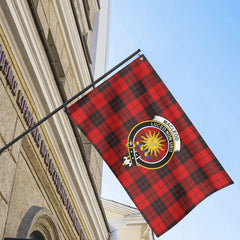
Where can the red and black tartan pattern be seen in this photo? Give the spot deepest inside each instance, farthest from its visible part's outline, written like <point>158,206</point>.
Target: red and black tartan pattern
<point>106,116</point>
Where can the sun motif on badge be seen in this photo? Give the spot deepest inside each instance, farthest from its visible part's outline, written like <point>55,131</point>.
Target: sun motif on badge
<point>152,143</point>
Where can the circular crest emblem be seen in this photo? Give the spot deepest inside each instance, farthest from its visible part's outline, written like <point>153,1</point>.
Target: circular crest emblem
<point>151,144</point>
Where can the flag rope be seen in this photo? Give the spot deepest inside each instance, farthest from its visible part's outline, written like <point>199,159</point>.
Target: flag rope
<point>68,101</point>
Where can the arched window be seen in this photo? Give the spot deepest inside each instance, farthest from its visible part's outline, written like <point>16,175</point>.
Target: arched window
<point>38,224</point>
<point>36,235</point>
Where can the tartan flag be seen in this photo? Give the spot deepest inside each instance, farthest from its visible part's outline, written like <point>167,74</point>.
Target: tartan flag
<point>150,144</point>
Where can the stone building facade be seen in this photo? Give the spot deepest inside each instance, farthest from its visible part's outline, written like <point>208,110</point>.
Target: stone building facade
<point>50,180</point>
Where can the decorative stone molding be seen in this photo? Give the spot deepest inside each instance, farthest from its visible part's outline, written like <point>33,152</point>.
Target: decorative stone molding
<point>41,220</point>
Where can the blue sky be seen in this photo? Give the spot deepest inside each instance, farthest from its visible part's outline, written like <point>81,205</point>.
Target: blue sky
<point>194,46</point>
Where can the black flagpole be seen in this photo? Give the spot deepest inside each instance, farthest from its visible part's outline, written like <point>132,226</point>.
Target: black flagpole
<point>68,101</point>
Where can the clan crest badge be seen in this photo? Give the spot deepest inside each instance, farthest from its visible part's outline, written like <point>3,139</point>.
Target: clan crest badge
<point>151,144</point>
